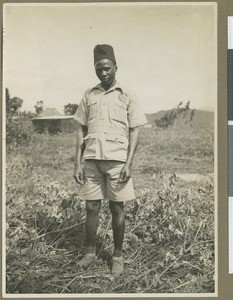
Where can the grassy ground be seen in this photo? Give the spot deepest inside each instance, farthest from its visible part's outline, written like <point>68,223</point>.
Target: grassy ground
<point>169,240</point>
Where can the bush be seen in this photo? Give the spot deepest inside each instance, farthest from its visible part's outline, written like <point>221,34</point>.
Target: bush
<point>19,130</point>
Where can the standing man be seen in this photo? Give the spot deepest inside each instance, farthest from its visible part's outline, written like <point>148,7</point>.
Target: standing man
<point>108,119</point>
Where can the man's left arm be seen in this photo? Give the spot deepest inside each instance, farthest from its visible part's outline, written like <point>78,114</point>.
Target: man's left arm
<point>133,142</point>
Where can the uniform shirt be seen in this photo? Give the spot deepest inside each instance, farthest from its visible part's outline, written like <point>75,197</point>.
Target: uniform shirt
<point>108,116</point>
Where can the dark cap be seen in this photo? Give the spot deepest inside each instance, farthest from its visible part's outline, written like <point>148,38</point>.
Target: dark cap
<point>104,52</point>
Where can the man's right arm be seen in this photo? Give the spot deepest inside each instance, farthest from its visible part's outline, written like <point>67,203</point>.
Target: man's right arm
<point>80,146</point>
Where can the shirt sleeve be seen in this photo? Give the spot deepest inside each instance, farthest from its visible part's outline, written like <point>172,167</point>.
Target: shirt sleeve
<point>81,112</point>
<point>136,116</point>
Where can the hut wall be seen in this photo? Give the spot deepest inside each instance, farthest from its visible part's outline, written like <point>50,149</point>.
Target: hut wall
<point>68,125</point>
<point>53,126</point>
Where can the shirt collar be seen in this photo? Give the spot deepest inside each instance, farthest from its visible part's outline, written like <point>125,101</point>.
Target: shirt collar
<point>116,86</point>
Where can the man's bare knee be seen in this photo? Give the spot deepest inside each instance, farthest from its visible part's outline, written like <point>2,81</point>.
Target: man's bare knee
<point>93,206</point>
<point>116,208</point>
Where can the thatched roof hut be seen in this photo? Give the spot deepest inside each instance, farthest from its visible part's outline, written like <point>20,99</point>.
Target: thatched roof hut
<point>51,121</point>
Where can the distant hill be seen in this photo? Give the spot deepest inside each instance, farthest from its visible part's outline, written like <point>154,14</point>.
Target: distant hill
<point>201,118</point>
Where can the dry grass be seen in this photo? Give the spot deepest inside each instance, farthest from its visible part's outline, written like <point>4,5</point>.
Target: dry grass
<point>169,240</point>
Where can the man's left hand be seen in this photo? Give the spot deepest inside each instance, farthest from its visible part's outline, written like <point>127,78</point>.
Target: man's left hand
<point>125,173</point>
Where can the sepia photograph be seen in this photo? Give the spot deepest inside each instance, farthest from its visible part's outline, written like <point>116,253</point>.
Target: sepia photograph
<point>109,149</point>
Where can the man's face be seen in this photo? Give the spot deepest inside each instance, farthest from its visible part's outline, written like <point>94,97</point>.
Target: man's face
<point>106,71</point>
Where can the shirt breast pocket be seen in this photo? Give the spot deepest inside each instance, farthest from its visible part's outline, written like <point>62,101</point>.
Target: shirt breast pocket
<point>93,109</point>
<point>120,111</point>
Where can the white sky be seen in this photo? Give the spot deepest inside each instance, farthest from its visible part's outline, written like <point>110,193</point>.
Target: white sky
<point>166,53</point>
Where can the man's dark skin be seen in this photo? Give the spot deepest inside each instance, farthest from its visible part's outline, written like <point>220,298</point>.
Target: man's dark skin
<point>106,71</point>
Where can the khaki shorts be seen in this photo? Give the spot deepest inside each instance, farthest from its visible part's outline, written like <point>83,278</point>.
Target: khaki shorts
<point>101,181</point>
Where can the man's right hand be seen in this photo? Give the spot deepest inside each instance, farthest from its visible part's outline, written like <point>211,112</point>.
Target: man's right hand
<point>78,175</point>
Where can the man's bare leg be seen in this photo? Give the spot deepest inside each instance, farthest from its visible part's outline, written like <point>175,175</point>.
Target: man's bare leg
<point>118,226</point>
<point>91,224</point>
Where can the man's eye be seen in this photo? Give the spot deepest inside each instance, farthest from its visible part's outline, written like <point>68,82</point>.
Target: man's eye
<point>101,70</point>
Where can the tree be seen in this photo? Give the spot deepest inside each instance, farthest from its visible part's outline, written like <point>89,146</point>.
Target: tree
<point>70,109</point>
<point>171,117</point>
<point>192,115</point>
<point>16,103</point>
<point>8,99</point>
<point>18,129</point>
<point>12,104</point>
<point>187,105</point>
<point>39,107</point>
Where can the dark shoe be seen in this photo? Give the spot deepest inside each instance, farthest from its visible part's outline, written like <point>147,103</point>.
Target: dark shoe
<point>87,260</point>
<point>117,265</point>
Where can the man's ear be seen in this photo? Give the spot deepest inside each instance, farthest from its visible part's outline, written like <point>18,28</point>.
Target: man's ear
<point>116,67</point>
